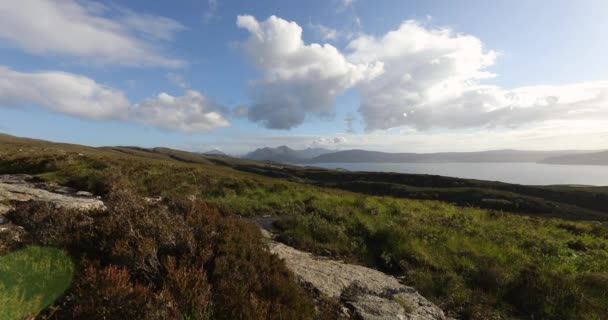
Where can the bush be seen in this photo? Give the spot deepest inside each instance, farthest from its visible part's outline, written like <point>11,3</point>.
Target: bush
<point>176,259</point>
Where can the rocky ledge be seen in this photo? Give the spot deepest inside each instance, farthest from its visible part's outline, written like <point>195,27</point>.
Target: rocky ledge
<point>21,188</point>
<point>368,294</point>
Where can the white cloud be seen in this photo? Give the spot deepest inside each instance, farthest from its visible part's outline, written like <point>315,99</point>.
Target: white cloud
<point>415,77</point>
<point>434,79</point>
<point>83,30</point>
<point>62,92</point>
<point>82,97</point>
<point>189,113</point>
<point>298,79</point>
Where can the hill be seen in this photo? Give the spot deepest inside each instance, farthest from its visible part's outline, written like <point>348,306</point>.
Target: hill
<point>215,152</point>
<point>595,158</point>
<point>285,154</point>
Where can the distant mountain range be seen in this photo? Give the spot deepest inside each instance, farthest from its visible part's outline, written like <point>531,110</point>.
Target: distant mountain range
<point>594,158</point>
<point>285,154</point>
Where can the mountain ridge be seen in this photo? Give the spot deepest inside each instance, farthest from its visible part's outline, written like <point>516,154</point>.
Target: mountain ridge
<point>505,155</point>
<point>285,154</point>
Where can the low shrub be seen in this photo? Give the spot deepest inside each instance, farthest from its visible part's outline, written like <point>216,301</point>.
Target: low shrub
<point>176,259</point>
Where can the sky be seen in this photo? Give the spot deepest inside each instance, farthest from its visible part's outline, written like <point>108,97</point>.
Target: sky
<point>386,75</point>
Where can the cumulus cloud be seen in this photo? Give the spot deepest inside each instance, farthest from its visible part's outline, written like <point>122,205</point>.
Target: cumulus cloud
<point>84,30</point>
<point>82,97</point>
<point>62,92</point>
<point>299,79</point>
<point>189,113</point>
<point>415,76</point>
<point>434,79</point>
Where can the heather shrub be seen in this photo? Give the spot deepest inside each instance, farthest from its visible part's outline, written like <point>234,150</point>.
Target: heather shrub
<point>177,259</point>
<point>109,293</point>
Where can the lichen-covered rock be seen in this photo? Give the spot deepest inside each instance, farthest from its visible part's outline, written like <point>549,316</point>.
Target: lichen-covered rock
<point>368,293</point>
<point>17,188</point>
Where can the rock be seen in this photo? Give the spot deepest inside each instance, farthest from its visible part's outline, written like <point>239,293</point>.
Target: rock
<point>84,194</point>
<point>15,178</point>
<point>3,220</point>
<point>4,208</point>
<point>368,293</point>
<point>16,189</point>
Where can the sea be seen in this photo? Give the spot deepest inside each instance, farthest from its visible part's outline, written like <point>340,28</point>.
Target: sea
<point>511,172</point>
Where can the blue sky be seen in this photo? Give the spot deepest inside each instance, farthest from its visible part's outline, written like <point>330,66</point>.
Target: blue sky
<point>235,75</point>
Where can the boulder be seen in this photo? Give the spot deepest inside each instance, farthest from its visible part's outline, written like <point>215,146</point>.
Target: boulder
<point>15,188</point>
<point>369,294</point>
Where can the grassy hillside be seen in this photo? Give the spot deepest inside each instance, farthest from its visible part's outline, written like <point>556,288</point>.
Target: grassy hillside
<point>193,252</point>
<point>568,202</point>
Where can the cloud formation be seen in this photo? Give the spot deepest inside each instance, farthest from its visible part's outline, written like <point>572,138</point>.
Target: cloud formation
<point>83,30</point>
<point>62,92</point>
<point>298,79</point>
<point>84,98</point>
<point>433,79</point>
<point>415,76</point>
<point>189,113</point>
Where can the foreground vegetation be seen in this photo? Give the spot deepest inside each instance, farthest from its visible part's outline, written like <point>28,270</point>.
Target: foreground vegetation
<point>178,260</point>
<point>32,279</point>
<point>191,251</point>
<point>476,263</point>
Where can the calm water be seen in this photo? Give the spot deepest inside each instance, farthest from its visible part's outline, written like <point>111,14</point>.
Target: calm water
<point>522,173</point>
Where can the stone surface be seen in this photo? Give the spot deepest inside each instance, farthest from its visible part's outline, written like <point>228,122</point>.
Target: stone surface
<point>16,188</point>
<point>368,293</point>
<point>84,194</point>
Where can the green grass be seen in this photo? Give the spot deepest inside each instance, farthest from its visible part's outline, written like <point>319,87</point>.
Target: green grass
<point>473,262</point>
<point>31,279</point>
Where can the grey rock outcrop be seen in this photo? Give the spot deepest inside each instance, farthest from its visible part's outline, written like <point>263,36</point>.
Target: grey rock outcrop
<point>369,294</point>
<point>18,188</point>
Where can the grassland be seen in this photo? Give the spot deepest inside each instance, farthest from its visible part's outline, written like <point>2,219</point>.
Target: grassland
<point>546,261</point>
<point>32,279</point>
